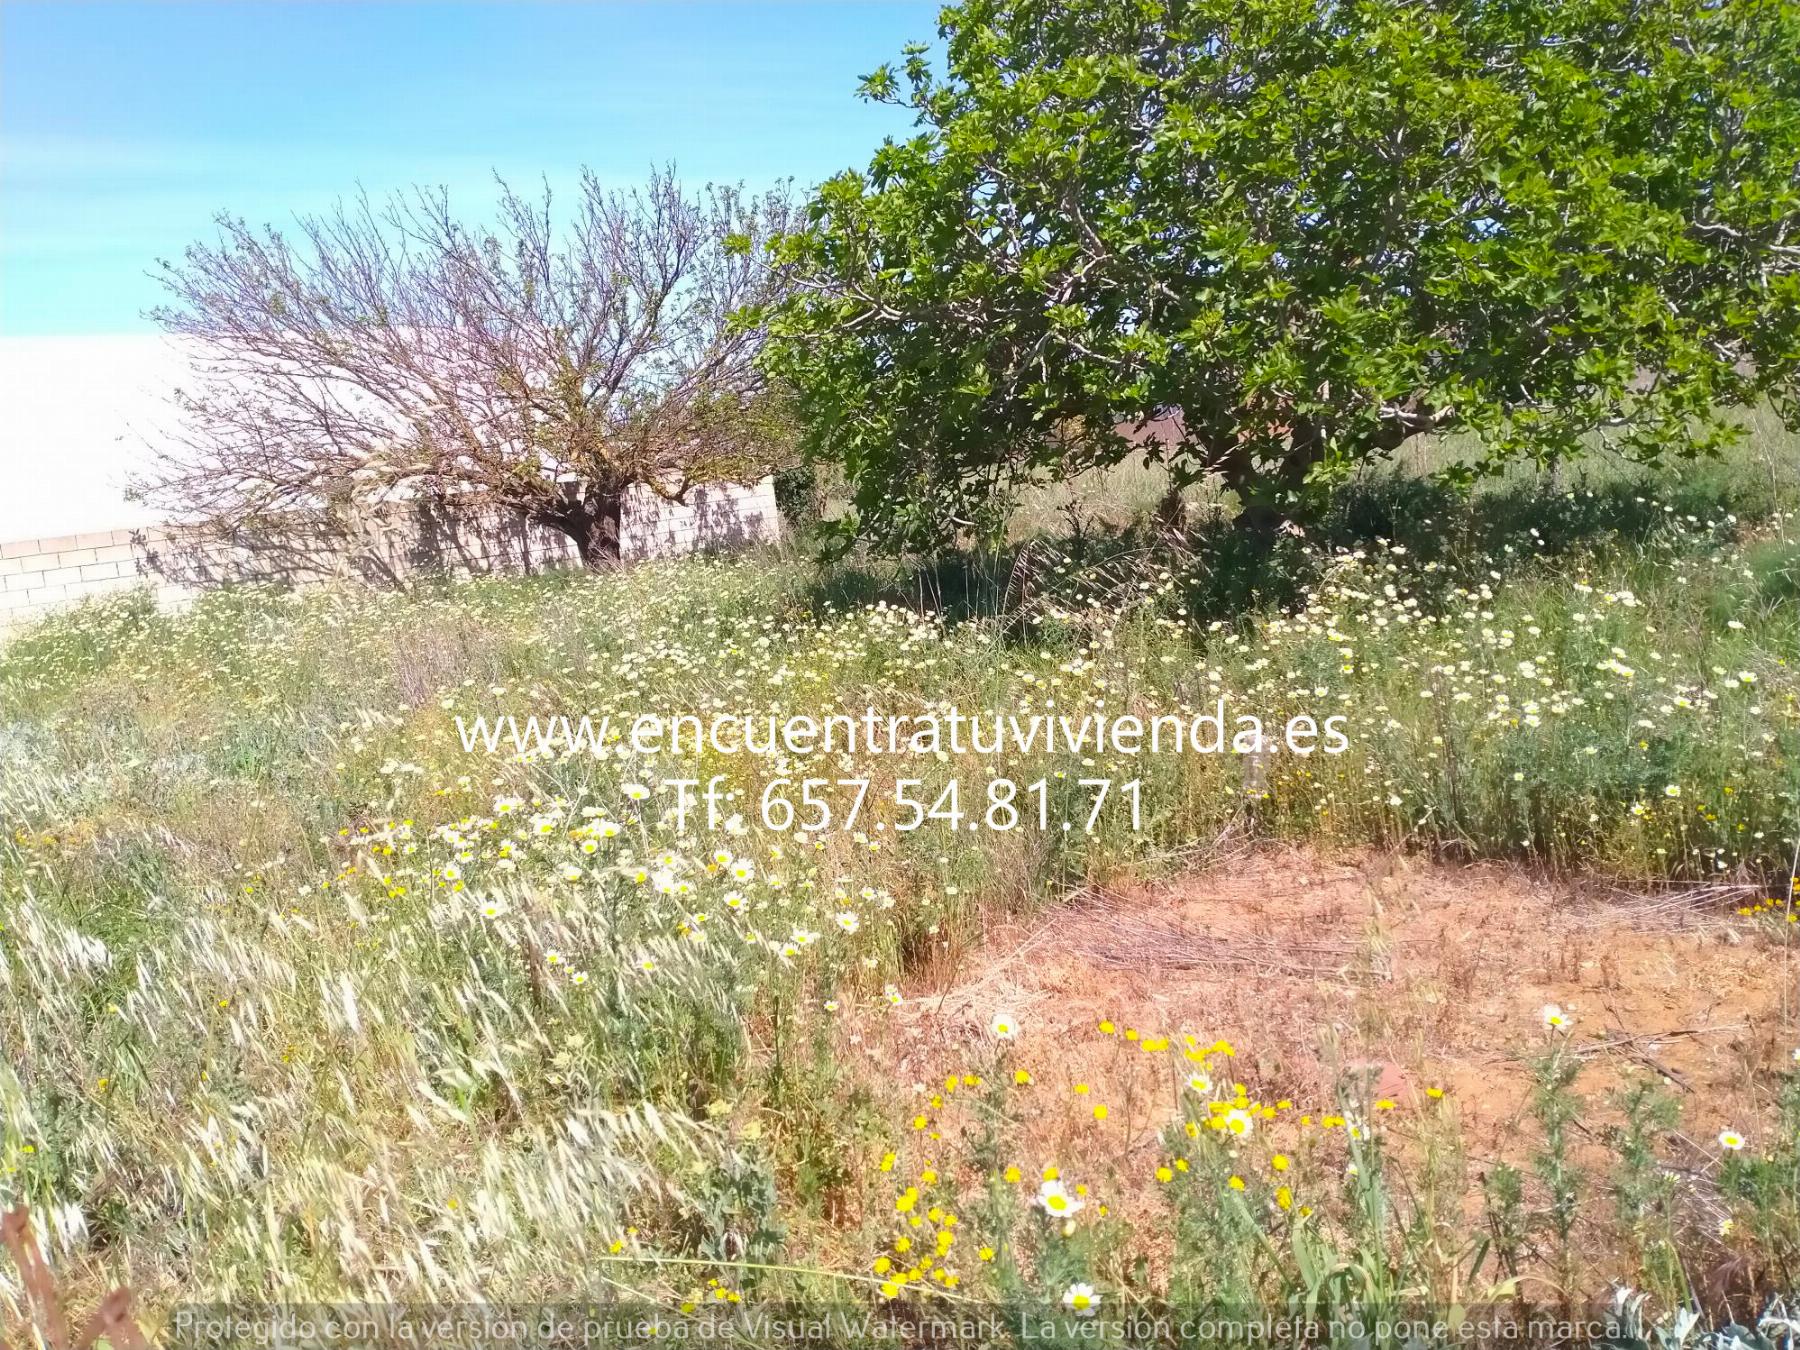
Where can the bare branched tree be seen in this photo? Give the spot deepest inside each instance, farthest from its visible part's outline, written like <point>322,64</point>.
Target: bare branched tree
<point>545,363</point>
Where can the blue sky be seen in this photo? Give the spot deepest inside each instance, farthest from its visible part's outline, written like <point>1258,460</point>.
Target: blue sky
<point>124,128</point>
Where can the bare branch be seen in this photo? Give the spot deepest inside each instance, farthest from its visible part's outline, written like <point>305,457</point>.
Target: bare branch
<point>540,363</point>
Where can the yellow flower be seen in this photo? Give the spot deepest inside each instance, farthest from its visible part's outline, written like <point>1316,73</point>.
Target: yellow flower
<point>1165,1175</point>
<point>1279,1162</point>
<point>1284,1197</point>
<point>1236,1183</point>
<point>1100,1112</point>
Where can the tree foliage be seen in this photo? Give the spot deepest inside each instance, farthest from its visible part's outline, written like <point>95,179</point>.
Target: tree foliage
<point>545,363</point>
<point>1299,232</point>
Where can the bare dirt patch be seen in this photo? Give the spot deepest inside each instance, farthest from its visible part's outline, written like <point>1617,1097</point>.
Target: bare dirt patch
<point>1427,976</point>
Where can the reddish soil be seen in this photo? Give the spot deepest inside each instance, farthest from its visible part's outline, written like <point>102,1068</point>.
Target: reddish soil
<point>1425,976</point>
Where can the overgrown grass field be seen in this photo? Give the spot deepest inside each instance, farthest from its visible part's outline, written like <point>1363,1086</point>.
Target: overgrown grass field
<point>302,999</point>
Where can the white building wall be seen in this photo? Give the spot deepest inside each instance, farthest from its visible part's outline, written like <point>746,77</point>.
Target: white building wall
<point>43,573</point>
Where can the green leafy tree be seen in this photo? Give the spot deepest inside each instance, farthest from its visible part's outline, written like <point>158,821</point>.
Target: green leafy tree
<point>1299,232</point>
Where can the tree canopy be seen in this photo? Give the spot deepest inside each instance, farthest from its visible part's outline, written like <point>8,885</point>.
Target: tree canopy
<point>545,363</point>
<point>1299,232</point>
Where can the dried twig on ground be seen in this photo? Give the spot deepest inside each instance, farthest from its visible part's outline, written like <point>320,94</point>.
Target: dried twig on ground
<point>1674,906</point>
<point>1109,938</point>
<point>110,1322</point>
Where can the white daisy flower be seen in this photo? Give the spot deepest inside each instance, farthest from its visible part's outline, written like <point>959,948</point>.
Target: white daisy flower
<point>1058,1201</point>
<point>1081,1300</point>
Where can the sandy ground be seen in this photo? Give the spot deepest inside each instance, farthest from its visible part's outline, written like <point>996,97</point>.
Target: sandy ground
<point>1418,975</point>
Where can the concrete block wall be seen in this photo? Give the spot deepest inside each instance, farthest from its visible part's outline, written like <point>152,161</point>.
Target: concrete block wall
<point>717,517</point>
<point>37,575</point>
<point>385,548</point>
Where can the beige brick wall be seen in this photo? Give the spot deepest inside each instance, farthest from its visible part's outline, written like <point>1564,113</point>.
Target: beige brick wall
<point>388,548</point>
<point>39,574</point>
<point>717,517</point>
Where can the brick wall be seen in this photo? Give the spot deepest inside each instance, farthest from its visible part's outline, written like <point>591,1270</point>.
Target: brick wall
<point>717,516</point>
<point>385,548</point>
<point>39,574</point>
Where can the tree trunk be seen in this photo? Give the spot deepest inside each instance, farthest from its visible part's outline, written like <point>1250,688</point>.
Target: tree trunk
<point>1262,504</point>
<point>594,525</point>
<point>1260,520</point>
<point>1172,513</point>
<point>1268,500</point>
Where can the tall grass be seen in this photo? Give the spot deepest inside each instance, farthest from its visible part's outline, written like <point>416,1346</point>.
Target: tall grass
<point>303,1000</point>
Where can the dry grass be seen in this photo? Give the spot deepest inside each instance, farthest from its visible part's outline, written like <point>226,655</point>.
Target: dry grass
<point>1423,975</point>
